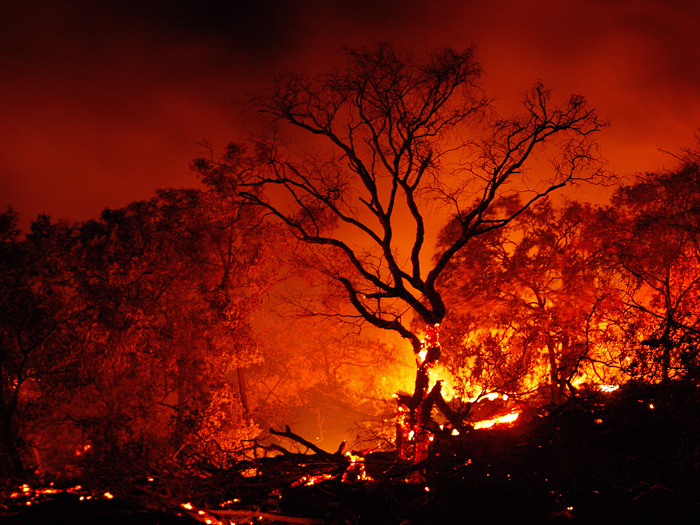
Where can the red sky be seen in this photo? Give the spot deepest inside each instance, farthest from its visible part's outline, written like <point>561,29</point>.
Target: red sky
<point>103,102</point>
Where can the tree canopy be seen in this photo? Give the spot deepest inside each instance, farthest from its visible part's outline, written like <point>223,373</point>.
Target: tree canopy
<point>390,140</point>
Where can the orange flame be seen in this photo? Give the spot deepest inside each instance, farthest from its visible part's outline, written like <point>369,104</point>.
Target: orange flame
<point>501,420</point>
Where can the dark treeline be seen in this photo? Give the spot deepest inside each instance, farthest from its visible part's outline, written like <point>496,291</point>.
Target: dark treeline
<point>128,345</point>
<point>126,340</point>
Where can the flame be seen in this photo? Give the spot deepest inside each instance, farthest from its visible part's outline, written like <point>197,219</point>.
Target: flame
<point>356,468</point>
<point>501,420</point>
<point>423,354</point>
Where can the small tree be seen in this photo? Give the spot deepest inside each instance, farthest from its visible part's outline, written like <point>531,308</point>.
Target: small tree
<point>392,141</point>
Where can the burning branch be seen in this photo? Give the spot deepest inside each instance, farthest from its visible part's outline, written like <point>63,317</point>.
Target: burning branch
<point>244,515</point>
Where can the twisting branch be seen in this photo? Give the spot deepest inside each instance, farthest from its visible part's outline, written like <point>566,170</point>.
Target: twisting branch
<point>294,437</point>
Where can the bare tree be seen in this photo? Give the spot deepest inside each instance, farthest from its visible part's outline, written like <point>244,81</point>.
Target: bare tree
<point>393,143</point>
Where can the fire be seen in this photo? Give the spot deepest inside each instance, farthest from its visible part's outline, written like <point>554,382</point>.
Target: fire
<point>423,354</point>
<point>501,420</point>
<point>356,468</point>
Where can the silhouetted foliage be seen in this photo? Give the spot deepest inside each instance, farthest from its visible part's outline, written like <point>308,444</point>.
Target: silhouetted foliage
<point>651,233</point>
<point>127,336</point>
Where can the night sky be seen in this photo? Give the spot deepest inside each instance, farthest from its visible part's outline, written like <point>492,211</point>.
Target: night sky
<point>102,102</point>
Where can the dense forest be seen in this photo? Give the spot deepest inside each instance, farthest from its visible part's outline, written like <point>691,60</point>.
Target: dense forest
<point>300,285</point>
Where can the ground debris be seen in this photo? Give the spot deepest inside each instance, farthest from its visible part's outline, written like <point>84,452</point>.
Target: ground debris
<point>630,456</point>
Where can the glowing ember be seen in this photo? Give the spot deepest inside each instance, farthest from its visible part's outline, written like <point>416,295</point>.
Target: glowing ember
<point>608,388</point>
<point>82,450</point>
<point>47,491</point>
<point>307,481</point>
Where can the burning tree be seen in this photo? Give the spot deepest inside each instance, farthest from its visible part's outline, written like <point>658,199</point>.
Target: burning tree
<point>529,304</point>
<point>392,143</point>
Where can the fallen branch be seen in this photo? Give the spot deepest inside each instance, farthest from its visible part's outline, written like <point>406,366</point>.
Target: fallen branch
<point>295,437</point>
<point>246,514</point>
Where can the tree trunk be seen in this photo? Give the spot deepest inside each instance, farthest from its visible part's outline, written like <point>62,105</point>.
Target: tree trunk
<point>11,464</point>
<point>242,390</point>
<point>555,384</point>
<point>413,435</point>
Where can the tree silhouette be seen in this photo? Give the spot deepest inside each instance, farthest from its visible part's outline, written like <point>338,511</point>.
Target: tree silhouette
<point>652,234</point>
<point>390,141</point>
<point>129,333</point>
<point>35,313</point>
